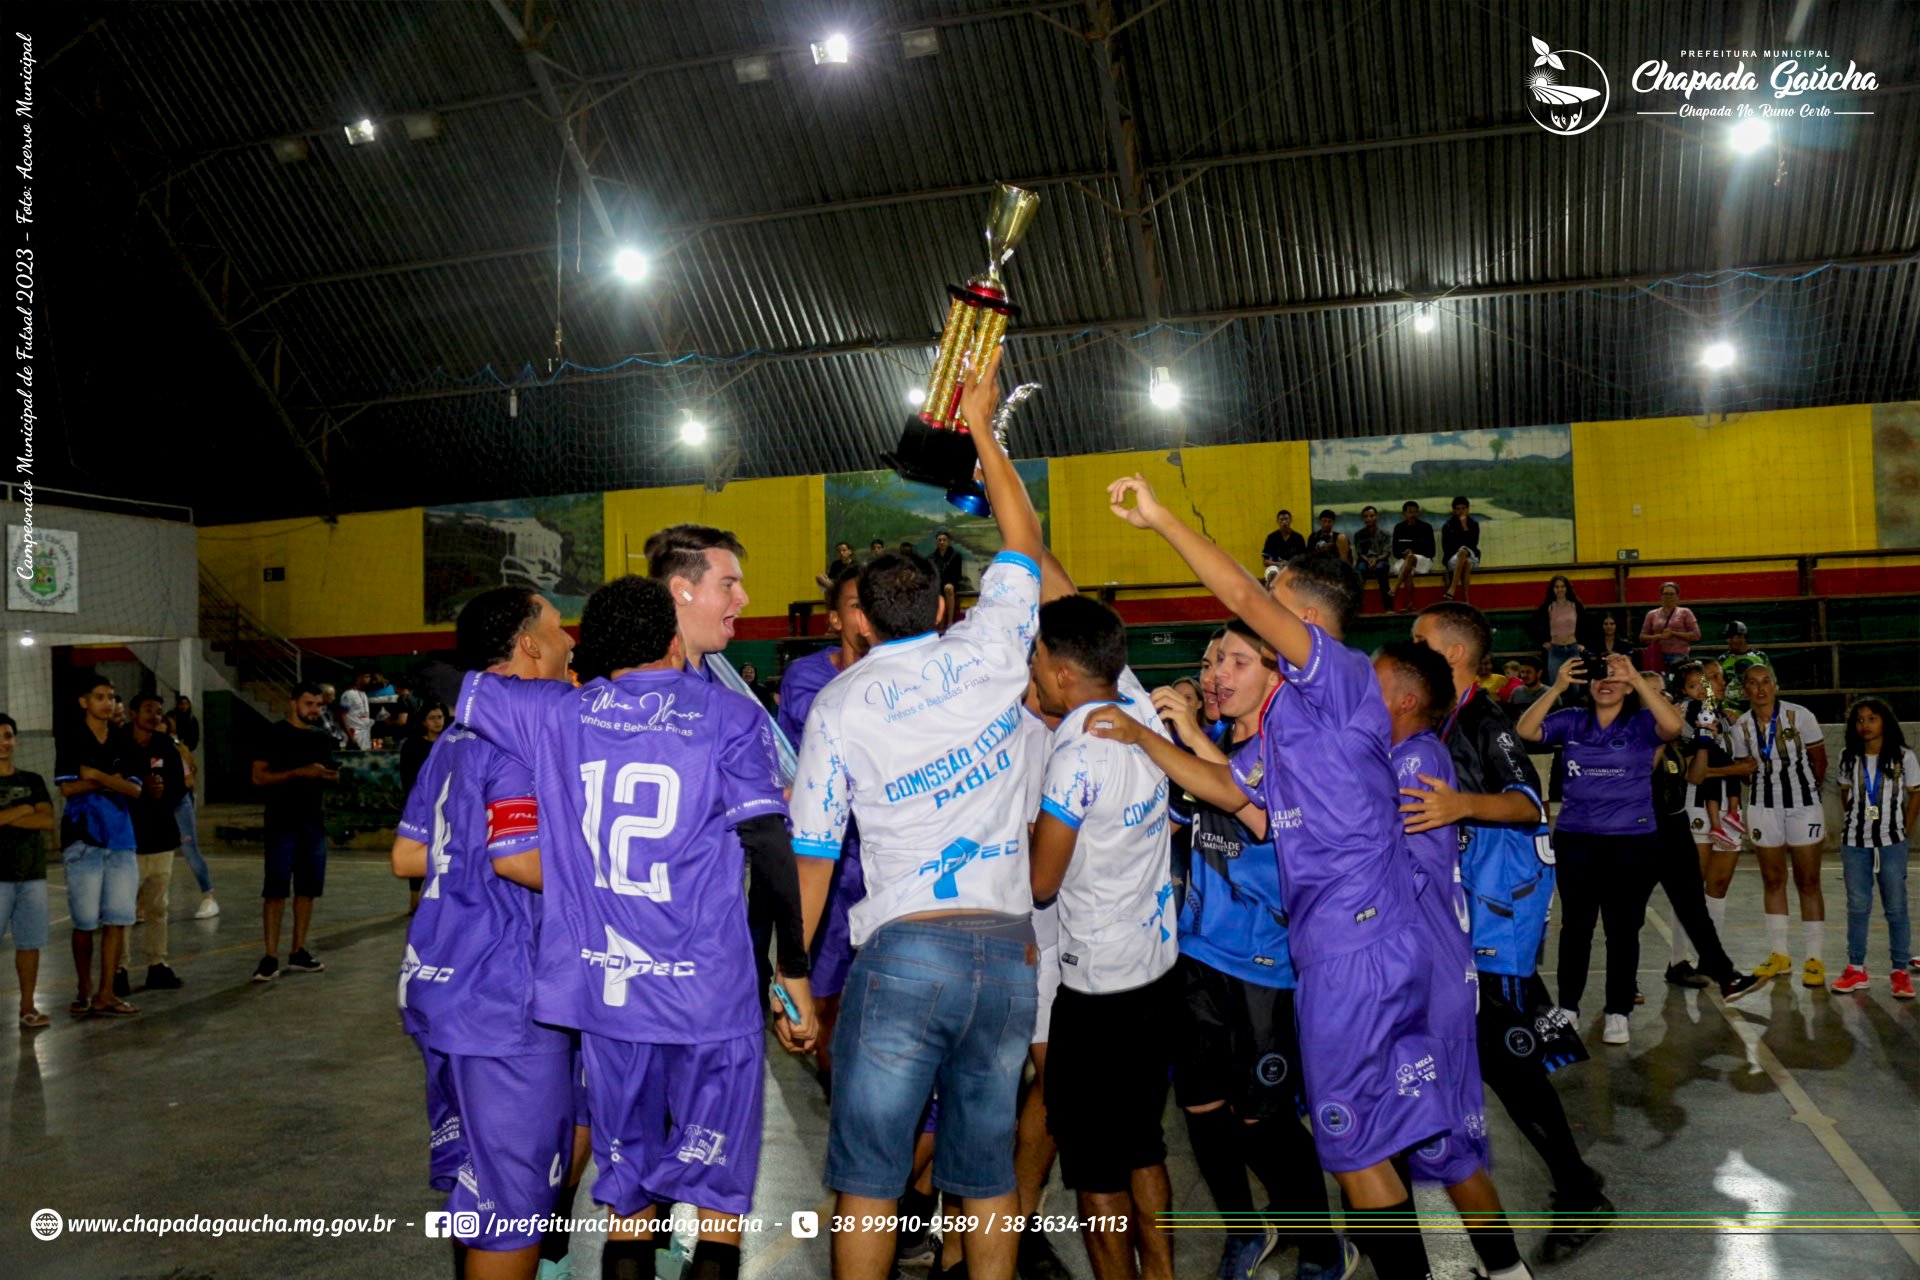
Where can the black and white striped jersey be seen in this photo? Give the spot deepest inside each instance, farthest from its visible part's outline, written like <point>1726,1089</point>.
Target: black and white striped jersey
<point>1862,828</point>
<point>1780,743</point>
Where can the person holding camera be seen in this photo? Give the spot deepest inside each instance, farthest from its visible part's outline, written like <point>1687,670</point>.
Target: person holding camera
<point>1606,842</point>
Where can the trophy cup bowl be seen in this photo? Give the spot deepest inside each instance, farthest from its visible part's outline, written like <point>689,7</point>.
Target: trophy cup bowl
<point>934,448</point>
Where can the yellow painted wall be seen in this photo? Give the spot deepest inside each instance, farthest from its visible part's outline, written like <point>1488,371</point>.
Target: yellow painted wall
<point>783,523</point>
<point>361,576</point>
<point>1789,482</point>
<point>1235,489</point>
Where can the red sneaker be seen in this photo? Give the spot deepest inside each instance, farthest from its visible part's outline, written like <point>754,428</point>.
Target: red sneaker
<point>1902,984</point>
<point>1854,978</point>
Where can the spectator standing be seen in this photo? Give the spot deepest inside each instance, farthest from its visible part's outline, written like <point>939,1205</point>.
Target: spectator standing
<point>1327,539</point>
<point>1880,796</point>
<point>841,563</point>
<point>187,817</point>
<point>26,810</point>
<point>94,769</point>
<point>1739,656</point>
<point>1412,552</point>
<point>1606,842</point>
<point>1557,623</point>
<point>185,726</point>
<point>293,765</point>
<point>1372,552</point>
<point>356,713</point>
<point>951,566</point>
<point>751,674</point>
<point>1668,632</point>
<point>1283,544</point>
<point>156,833</point>
<point>1460,549</point>
<point>330,718</point>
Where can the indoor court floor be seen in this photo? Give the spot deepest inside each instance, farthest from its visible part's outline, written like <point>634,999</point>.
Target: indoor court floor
<point>301,1098</point>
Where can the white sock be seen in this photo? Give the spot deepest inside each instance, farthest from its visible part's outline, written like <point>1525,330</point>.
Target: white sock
<point>1717,912</point>
<point>1816,935</point>
<point>1680,948</point>
<point>1777,933</point>
<point>1518,1271</point>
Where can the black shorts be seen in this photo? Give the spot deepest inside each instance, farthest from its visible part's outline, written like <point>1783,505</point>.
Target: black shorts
<point>296,860</point>
<point>1107,1062</point>
<point>1238,1044</point>
<point>1517,1023</point>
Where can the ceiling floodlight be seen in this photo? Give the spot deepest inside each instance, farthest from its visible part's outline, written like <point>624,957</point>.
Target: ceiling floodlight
<point>752,70</point>
<point>693,431</point>
<point>923,43</point>
<point>916,395</point>
<point>1717,355</point>
<point>1164,391</point>
<point>630,265</point>
<point>27,641</point>
<point>1748,136</point>
<point>359,133</point>
<point>1424,321</point>
<point>835,48</point>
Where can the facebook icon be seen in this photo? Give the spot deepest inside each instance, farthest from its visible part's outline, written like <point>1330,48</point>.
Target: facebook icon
<point>439,1224</point>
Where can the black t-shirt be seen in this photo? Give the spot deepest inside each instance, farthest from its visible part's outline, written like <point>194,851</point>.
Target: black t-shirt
<point>101,818</point>
<point>1328,541</point>
<point>1453,537</point>
<point>1488,757</point>
<point>949,566</point>
<point>154,828</point>
<point>23,853</point>
<point>1282,547</point>
<point>1416,537</point>
<point>187,726</point>
<point>296,801</point>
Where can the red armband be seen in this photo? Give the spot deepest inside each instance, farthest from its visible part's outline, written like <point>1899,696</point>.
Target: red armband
<point>519,816</point>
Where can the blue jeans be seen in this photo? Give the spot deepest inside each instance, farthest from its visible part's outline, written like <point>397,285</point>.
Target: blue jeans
<point>23,912</point>
<point>189,823</point>
<point>928,1004</point>
<point>102,885</point>
<point>1857,866</point>
<point>1558,655</point>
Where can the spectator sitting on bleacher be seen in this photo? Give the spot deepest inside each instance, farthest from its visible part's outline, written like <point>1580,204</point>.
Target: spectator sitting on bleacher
<point>1738,658</point>
<point>1460,548</point>
<point>1496,683</point>
<point>842,562</point>
<point>1522,695</point>
<point>1372,549</point>
<point>1412,552</point>
<point>1668,632</point>
<point>1327,538</point>
<point>1283,544</point>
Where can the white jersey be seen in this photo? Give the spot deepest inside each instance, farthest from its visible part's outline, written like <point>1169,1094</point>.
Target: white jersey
<point>1780,743</point>
<point>923,742</point>
<point>1046,920</point>
<point>1876,816</point>
<point>1116,900</point>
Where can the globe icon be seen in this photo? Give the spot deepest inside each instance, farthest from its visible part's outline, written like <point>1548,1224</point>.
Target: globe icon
<point>47,1224</point>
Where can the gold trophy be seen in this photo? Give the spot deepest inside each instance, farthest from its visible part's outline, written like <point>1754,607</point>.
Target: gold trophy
<point>934,448</point>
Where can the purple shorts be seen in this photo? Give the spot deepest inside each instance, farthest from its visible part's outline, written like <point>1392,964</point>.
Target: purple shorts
<point>1373,1072</point>
<point>582,1106</point>
<point>1451,1014</point>
<point>506,1127</point>
<point>833,948</point>
<point>675,1122</point>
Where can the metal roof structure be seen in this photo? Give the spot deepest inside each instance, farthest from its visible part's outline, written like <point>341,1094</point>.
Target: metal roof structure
<point>1260,195</point>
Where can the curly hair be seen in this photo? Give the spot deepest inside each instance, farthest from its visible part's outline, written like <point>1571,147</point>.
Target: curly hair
<point>630,622</point>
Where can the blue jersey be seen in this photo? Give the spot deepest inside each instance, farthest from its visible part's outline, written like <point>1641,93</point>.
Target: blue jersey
<point>1332,803</point>
<point>1506,868</point>
<point>1233,918</point>
<point>466,981</point>
<point>641,781</point>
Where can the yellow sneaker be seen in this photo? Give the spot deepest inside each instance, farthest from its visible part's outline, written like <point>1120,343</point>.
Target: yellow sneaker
<point>1814,975</point>
<point>1775,965</point>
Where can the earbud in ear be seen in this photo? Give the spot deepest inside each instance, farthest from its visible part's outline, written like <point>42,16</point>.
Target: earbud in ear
<point>687,596</point>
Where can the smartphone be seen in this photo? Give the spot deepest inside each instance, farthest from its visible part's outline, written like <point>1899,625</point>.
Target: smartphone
<point>786,1003</point>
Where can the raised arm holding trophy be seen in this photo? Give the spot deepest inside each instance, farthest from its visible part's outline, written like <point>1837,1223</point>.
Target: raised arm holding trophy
<point>934,448</point>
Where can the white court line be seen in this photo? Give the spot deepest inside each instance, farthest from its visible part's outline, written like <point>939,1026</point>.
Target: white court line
<point>1821,1125</point>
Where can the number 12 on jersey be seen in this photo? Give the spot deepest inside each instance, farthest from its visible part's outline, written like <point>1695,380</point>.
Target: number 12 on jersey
<point>612,871</point>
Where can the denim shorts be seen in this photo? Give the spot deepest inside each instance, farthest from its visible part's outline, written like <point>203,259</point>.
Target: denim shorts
<point>23,913</point>
<point>925,1005</point>
<point>102,885</point>
<point>296,859</point>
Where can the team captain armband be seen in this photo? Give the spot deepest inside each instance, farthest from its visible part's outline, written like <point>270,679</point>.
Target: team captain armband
<point>517,816</point>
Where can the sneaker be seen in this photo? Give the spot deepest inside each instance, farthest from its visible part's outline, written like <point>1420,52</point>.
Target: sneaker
<point>1685,975</point>
<point>1914,963</point>
<point>1243,1253</point>
<point>1741,984</point>
<point>302,961</point>
<point>1720,840</point>
<point>207,909</point>
<point>1575,1223</point>
<point>267,970</point>
<point>121,986</point>
<point>161,977</point>
<point>918,1247</point>
<point>1735,827</point>
<point>1852,978</point>
<point>1814,974</point>
<point>1036,1259</point>
<point>1616,1032</point>
<point>1902,985</point>
<point>1774,965</point>
<point>551,1269</point>
<point>1341,1270</point>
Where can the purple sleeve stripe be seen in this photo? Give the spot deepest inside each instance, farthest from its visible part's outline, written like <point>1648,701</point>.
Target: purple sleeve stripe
<point>412,831</point>
<point>1048,805</point>
<point>507,846</point>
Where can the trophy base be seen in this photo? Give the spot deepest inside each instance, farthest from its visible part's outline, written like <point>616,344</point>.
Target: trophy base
<point>942,458</point>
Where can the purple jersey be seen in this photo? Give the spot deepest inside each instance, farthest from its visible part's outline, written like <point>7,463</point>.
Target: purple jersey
<point>1609,784</point>
<point>802,680</point>
<point>1332,803</point>
<point>641,781</point>
<point>466,982</point>
<point>1437,852</point>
